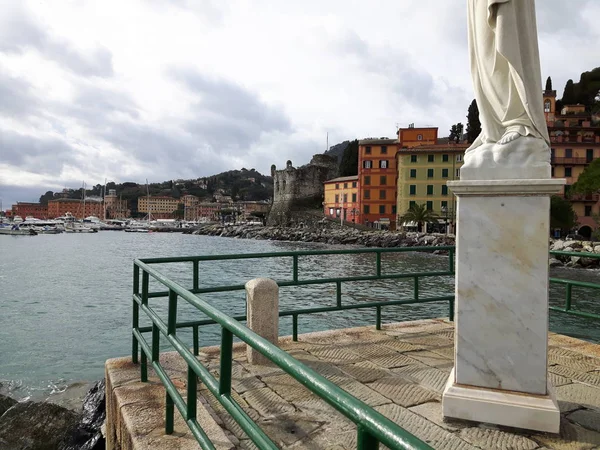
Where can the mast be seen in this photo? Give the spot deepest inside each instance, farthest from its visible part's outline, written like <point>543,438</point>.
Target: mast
<point>148,201</point>
<point>104,200</point>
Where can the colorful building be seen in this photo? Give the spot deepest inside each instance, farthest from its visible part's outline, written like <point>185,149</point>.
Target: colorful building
<point>422,175</point>
<point>575,143</point>
<point>78,208</point>
<point>25,209</point>
<point>342,199</point>
<point>159,207</point>
<point>414,137</point>
<point>115,207</point>
<point>377,181</point>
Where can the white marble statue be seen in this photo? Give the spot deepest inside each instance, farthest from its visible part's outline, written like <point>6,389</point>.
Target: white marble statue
<point>505,67</point>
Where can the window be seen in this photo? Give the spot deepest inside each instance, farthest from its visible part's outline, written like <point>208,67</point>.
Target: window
<point>568,153</point>
<point>345,185</point>
<point>381,209</point>
<point>383,164</point>
<point>382,194</point>
<point>412,204</point>
<point>588,210</point>
<point>552,171</point>
<point>459,158</point>
<point>345,198</point>
<point>384,149</point>
<point>445,158</point>
<point>354,184</point>
<point>444,189</point>
<point>393,209</point>
<point>367,164</point>
<point>367,180</point>
<point>430,158</point>
<point>353,198</point>
<point>383,180</point>
<point>430,189</point>
<point>413,189</point>
<point>444,205</point>
<point>337,198</point>
<point>568,172</point>
<point>366,209</point>
<point>413,158</point>
<point>457,173</point>
<point>546,106</point>
<point>444,173</point>
<point>368,150</point>
<point>419,137</point>
<point>413,173</point>
<point>429,206</point>
<point>589,155</point>
<point>337,186</point>
<point>367,194</point>
<point>429,173</point>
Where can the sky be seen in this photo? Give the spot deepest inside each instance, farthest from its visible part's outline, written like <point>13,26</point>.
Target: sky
<point>166,89</point>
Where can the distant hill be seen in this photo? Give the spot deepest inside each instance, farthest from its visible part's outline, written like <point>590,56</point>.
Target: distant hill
<point>337,150</point>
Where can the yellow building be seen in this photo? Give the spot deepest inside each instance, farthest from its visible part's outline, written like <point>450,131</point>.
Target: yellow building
<point>160,207</point>
<point>341,199</point>
<point>422,175</point>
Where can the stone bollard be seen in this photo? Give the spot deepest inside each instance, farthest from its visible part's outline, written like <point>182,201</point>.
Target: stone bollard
<point>262,300</point>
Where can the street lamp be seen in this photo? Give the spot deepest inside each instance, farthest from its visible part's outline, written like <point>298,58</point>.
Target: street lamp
<point>445,211</point>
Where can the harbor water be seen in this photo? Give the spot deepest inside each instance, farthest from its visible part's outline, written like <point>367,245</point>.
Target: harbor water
<point>66,299</point>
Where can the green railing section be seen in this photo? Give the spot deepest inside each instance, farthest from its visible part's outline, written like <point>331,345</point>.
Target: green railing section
<point>372,427</point>
<point>569,284</point>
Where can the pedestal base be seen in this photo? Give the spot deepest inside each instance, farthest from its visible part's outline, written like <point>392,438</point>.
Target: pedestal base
<point>508,408</point>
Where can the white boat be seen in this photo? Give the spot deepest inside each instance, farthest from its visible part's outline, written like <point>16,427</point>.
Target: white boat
<point>15,230</point>
<point>137,227</point>
<point>74,226</point>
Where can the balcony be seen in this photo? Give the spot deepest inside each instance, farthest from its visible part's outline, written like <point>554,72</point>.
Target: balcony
<point>585,197</point>
<point>568,161</point>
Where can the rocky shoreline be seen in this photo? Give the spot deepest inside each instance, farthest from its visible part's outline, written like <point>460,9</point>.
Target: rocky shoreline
<point>29,425</point>
<point>581,247</point>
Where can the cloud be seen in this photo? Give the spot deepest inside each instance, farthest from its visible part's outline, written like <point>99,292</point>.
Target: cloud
<point>20,32</point>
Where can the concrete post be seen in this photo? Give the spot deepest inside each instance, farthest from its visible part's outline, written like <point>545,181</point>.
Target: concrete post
<point>262,300</point>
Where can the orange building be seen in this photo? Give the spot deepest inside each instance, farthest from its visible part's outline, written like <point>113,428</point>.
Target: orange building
<point>413,137</point>
<point>25,209</point>
<point>575,143</point>
<point>341,199</point>
<point>377,182</point>
<point>61,206</point>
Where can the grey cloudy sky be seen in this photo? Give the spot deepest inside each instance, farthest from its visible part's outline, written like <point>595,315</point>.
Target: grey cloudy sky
<point>161,89</point>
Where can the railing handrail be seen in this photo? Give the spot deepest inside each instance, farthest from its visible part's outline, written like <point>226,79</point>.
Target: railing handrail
<point>376,424</point>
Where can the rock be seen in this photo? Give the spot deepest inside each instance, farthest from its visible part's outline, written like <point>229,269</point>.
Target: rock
<point>575,260</point>
<point>558,245</point>
<point>553,262</point>
<point>35,426</point>
<point>597,249</point>
<point>5,403</point>
<point>87,435</point>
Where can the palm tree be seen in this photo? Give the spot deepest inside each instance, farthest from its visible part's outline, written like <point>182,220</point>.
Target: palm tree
<point>419,214</point>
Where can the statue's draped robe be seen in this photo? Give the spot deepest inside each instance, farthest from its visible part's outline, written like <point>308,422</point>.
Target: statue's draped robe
<point>503,40</point>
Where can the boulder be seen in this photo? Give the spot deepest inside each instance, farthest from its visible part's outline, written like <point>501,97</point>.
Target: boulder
<point>87,434</point>
<point>6,403</point>
<point>35,426</point>
<point>553,262</point>
<point>558,245</point>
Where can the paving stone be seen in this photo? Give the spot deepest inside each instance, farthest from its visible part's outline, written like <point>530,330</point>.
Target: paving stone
<point>329,440</point>
<point>242,380</point>
<point>587,418</point>
<point>318,409</point>
<point>391,361</point>
<point>591,378</point>
<point>418,326</point>
<point>446,333</point>
<point>571,437</point>
<point>567,372</point>
<point>287,430</point>
<point>267,402</point>
<point>364,393</point>
<point>365,371</point>
<point>403,392</point>
<point>401,346</point>
<point>558,380</point>
<point>289,389</point>
<point>432,411</point>
<point>368,351</point>
<point>446,352</point>
<point>496,439</point>
<point>428,432</point>
<point>431,359</point>
<point>336,355</point>
<point>427,340</point>
<point>573,396</point>
<point>429,377</point>
<point>580,364</point>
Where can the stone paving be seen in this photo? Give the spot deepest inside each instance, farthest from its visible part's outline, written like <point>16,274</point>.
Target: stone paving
<point>401,372</point>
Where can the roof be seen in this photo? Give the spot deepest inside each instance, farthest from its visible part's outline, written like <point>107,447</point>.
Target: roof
<point>435,148</point>
<point>337,180</point>
<point>377,141</point>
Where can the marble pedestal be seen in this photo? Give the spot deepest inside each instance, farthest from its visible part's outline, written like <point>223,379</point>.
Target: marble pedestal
<point>500,364</point>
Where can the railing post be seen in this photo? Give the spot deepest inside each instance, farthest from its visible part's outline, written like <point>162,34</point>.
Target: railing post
<point>295,268</point>
<point>172,316</point>
<point>169,415</point>
<point>365,441</point>
<point>451,310</point>
<point>135,314</point>
<point>338,293</point>
<point>378,319</point>
<point>144,367</point>
<point>195,339</point>
<point>262,303</point>
<point>295,327</point>
<point>451,260</point>
<point>196,281</point>
<point>192,393</point>
<point>378,263</point>
<point>145,286</point>
<point>226,362</point>
<point>416,289</point>
<point>569,294</point>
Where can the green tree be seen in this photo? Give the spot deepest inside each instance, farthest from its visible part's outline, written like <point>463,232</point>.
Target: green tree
<point>561,214</point>
<point>473,123</point>
<point>349,162</point>
<point>549,84</point>
<point>420,215</point>
<point>179,213</point>
<point>589,180</point>
<point>456,133</point>
<point>569,97</point>
<point>44,199</point>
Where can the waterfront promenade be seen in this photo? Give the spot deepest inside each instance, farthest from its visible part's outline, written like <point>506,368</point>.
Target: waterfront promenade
<point>400,371</point>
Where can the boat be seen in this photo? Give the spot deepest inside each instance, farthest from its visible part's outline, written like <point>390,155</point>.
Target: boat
<point>41,226</point>
<point>73,226</point>
<point>15,230</point>
<point>136,227</point>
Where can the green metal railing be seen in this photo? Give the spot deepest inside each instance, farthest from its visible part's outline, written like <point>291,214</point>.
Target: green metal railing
<point>372,427</point>
<point>569,284</point>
